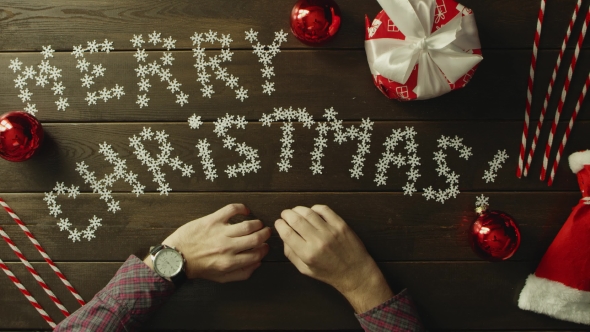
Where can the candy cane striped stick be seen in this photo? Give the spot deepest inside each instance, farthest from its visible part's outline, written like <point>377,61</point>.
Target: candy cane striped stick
<point>49,261</point>
<point>527,114</point>
<point>34,272</point>
<point>569,130</point>
<point>563,95</point>
<point>26,293</point>
<point>550,89</point>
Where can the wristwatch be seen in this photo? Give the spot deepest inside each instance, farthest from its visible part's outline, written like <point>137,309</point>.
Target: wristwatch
<point>169,263</point>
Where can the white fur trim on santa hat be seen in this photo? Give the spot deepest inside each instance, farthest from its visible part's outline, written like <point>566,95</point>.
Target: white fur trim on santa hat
<point>555,299</point>
<point>578,160</point>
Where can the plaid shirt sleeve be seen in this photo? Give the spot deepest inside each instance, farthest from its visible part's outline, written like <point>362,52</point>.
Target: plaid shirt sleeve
<point>125,303</point>
<point>396,315</point>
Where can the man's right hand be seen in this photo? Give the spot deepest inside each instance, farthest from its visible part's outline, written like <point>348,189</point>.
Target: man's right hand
<point>321,245</point>
<point>219,251</point>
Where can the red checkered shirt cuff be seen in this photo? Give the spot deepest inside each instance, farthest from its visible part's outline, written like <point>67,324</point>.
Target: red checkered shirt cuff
<point>125,303</point>
<point>395,315</point>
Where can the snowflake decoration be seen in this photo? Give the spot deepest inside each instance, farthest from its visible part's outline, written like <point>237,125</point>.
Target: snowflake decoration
<point>154,38</point>
<point>64,224</point>
<point>163,158</point>
<point>251,163</point>
<point>207,161</point>
<point>31,109</point>
<point>194,122</point>
<point>268,87</point>
<point>142,100</point>
<point>287,115</point>
<point>390,158</point>
<point>62,103</point>
<point>482,202</point>
<point>266,54</point>
<point>137,41</point>
<point>242,94</point>
<point>202,63</point>
<point>452,178</point>
<point>252,36</point>
<point>495,165</point>
<point>15,65</point>
<point>155,68</point>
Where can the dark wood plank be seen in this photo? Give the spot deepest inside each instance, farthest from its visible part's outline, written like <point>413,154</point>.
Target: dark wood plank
<point>393,227</point>
<point>312,79</point>
<point>501,23</point>
<point>68,144</point>
<point>462,296</point>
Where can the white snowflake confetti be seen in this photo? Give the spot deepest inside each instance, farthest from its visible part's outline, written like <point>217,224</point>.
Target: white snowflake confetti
<point>495,165</point>
<point>194,122</point>
<point>137,41</point>
<point>47,52</point>
<point>443,169</point>
<point>268,88</point>
<point>31,108</point>
<point>142,101</point>
<point>154,38</point>
<point>62,103</point>
<point>25,95</point>
<point>182,99</point>
<point>15,65</point>
<point>242,94</point>
<point>482,202</point>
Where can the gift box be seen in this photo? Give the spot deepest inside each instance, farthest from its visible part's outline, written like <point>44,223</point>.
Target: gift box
<point>421,49</point>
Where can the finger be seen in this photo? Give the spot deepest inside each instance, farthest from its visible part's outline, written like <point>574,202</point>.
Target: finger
<point>230,210</point>
<point>250,241</point>
<point>289,236</point>
<point>244,228</point>
<point>310,215</point>
<point>249,257</point>
<point>328,215</point>
<point>299,264</point>
<point>240,274</point>
<point>299,224</point>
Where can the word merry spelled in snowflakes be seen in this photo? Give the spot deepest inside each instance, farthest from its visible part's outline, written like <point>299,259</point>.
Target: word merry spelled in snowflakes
<point>288,117</point>
<point>206,67</point>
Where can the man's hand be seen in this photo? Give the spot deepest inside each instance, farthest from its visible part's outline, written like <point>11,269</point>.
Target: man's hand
<point>321,245</point>
<point>218,251</point>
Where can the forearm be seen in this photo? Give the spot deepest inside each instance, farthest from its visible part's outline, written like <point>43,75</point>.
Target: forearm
<point>125,303</point>
<point>371,292</point>
<point>396,314</point>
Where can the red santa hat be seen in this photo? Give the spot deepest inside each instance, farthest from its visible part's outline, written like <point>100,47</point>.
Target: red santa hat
<point>560,287</point>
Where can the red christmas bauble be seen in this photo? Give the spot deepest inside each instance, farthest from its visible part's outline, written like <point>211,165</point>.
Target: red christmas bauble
<point>20,136</point>
<point>315,22</point>
<point>494,236</point>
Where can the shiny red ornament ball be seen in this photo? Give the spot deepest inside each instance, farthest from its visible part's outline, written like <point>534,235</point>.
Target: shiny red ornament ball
<point>21,135</point>
<point>315,22</point>
<point>494,236</point>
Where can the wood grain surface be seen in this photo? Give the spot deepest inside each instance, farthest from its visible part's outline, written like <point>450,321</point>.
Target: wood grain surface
<point>420,245</point>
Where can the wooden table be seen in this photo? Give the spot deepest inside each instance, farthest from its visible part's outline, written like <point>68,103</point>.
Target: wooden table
<point>420,245</point>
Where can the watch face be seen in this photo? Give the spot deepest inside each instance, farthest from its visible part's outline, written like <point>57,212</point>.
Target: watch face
<point>168,262</point>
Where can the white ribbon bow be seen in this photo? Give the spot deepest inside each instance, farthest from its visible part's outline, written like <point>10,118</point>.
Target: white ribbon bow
<point>441,54</point>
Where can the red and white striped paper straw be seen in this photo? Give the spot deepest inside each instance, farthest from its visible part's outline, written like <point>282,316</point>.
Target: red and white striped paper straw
<point>527,114</point>
<point>34,272</point>
<point>26,293</point>
<point>527,165</point>
<point>569,130</point>
<point>49,261</point>
<point>563,96</point>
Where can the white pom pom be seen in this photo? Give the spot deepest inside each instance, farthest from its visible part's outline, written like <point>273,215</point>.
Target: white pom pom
<point>578,160</point>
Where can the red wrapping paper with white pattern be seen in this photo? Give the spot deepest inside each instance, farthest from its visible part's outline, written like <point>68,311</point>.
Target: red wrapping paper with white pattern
<point>421,49</point>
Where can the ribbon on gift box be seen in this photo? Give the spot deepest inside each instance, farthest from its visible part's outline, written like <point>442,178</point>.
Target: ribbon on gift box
<point>441,55</point>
